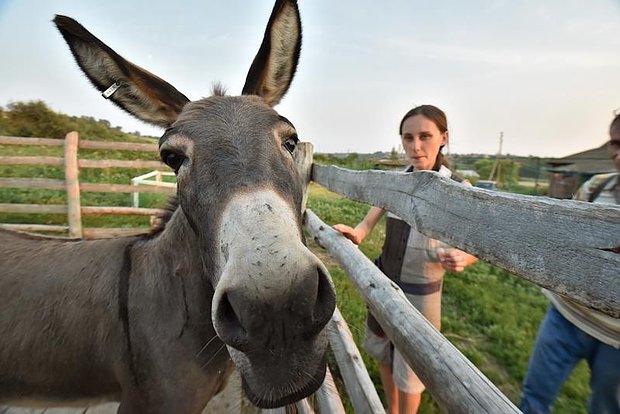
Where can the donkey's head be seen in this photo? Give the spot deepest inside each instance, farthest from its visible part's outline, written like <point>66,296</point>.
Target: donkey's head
<point>241,194</point>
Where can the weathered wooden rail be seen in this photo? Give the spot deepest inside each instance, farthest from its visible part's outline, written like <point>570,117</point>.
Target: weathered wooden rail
<point>563,245</point>
<point>73,187</point>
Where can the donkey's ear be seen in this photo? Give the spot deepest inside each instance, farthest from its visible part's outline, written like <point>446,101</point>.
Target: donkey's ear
<point>275,63</point>
<point>137,91</point>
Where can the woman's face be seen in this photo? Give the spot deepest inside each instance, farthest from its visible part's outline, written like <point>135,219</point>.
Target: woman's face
<point>422,140</point>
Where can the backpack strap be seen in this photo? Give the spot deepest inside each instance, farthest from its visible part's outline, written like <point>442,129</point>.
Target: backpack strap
<point>599,188</point>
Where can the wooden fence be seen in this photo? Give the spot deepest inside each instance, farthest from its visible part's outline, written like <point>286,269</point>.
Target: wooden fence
<point>568,247</point>
<point>73,187</point>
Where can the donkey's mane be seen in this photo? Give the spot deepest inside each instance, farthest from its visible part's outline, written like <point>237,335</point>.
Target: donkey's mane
<point>218,89</point>
<point>161,219</point>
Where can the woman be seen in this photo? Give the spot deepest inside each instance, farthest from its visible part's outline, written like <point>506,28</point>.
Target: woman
<point>416,262</point>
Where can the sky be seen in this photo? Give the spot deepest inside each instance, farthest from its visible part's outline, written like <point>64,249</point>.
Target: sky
<point>545,73</point>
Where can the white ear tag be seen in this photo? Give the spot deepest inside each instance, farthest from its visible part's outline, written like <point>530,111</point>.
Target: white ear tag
<point>110,91</point>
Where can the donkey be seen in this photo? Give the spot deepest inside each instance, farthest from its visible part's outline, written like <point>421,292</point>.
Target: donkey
<point>159,321</point>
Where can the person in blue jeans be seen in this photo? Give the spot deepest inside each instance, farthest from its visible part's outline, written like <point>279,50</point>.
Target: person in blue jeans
<point>570,332</point>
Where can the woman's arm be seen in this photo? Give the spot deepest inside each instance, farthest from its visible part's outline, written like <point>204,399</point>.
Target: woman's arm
<point>455,260</point>
<point>363,229</point>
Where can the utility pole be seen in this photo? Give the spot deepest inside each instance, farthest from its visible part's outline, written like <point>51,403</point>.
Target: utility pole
<point>537,174</point>
<point>496,166</point>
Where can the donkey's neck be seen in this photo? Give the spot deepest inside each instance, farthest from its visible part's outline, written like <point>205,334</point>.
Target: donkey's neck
<point>178,241</point>
<point>175,253</point>
<point>174,268</point>
<point>188,278</point>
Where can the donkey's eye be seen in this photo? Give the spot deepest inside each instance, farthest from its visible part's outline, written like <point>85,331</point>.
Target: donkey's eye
<point>290,143</point>
<point>173,160</point>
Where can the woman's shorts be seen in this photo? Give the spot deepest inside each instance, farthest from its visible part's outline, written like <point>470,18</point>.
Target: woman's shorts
<point>381,349</point>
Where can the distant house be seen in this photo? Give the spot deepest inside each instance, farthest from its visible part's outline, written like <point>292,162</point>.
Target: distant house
<point>568,173</point>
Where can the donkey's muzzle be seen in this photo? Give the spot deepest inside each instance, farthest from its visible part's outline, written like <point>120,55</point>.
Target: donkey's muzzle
<point>275,312</point>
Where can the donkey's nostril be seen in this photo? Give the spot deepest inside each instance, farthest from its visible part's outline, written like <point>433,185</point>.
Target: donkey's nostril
<point>229,327</point>
<point>325,303</point>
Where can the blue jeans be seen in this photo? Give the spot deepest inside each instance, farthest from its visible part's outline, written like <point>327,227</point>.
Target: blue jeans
<point>559,346</point>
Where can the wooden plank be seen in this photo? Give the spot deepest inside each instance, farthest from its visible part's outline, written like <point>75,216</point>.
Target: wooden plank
<point>21,410</point>
<point>454,382</point>
<point>72,183</point>
<point>86,144</point>
<point>64,410</point>
<point>62,209</point>
<point>563,245</point>
<point>138,211</point>
<point>35,227</point>
<point>4,140</point>
<point>231,399</point>
<point>33,208</point>
<point>108,233</point>
<point>87,233</point>
<point>53,184</point>
<point>31,160</point>
<point>124,188</point>
<point>303,407</point>
<point>46,183</point>
<point>279,410</point>
<point>327,396</point>
<point>360,387</point>
<point>108,408</point>
<point>162,184</point>
<point>118,164</point>
<point>119,146</point>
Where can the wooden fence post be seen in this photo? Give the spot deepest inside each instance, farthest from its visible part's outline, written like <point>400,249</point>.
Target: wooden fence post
<point>72,182</point>
<point>361,390</point>
<point>327,396</point>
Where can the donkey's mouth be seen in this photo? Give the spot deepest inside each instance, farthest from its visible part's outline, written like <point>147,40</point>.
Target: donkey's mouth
<point>287,394</point>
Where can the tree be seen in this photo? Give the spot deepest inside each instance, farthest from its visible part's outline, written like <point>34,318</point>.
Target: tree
<point>394,154</point>
<point>483,167</point>
<point>34,119</point>
<point>507,171</point>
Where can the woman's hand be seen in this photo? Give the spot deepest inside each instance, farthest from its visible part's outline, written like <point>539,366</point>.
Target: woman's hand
<point>363,229</point>
<point>455,260</point>
<point>350,233</point>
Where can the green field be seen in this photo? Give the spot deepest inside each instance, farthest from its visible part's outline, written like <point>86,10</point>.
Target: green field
<point>491,315</point>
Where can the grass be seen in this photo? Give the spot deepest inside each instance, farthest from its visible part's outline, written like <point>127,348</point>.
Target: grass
<point>490,315</point>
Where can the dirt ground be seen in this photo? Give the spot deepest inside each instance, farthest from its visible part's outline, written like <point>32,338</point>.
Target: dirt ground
<point>230,400</point>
